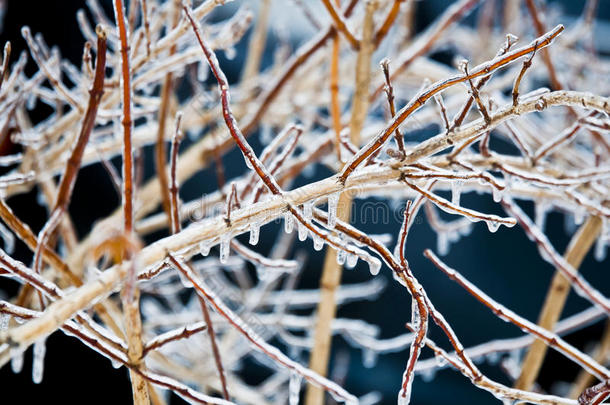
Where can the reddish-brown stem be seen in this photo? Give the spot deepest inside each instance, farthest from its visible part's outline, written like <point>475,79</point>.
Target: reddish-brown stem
<point>126,120</point>
<point>504,313</point>
<point>416,103</point>
<point>340,24</point>
<point>173,335</point>
<point>174,187</point>
<point>5,59</point>
<point>388,22</point>
<point>526,65</point>
<point>73,165</point>
<point>389,90</point>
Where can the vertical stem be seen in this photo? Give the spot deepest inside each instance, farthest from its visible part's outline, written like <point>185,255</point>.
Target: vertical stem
<point>257,42</point>
<point>331,273</point>
<point>335,106</point>
<point>555,300</point>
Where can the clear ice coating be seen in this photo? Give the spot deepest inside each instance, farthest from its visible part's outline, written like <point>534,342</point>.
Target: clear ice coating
<point>288,222</point>
<point>456,191</point>
<point>303,231</point>
<point>4,320</point>
<point>255,230</point>
<point>204,248</point>
<point>225,241</point>
<point>38,360</point>
<point>496,194</point>
<point>333,202</point>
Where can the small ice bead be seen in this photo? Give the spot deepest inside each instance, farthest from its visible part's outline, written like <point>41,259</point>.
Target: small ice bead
<point>333,202</point>
<point>492,226</point>
<point>204,248</point>
<point>341,256</point>
<point>351,261</point>
<point>404,398</point>
<point>230,53</point>
<point>115,364</point>
<point>225,241</point>
<point>248,163</point>
<point>17,362</point>
<point>374,266</point>
<point>456,191</point>
<point>38,360</point>
<point>318,242</point>
<point>303,231</point>
<point>254,233</point>
<point>288,222</point>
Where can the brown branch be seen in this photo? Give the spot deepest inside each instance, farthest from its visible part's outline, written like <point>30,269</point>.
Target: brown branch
<point>340,24</point>
<point>174,187</point>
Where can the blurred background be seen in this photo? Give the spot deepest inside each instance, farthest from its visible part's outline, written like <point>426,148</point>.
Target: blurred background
<point>505,264</point>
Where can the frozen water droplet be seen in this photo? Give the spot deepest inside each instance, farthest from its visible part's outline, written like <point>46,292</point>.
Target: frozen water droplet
<point>374,266</point>
<point>333,202</point>
<point>303,231</point>
<point>225,241</point>
<point>440,361</point>
<point>17,361</point>
<point>8,239</point>
<point>294,387</point>
<point>204,248</point>
<point>428,375</point>
<point>351,261</point>
<point>600,249</point>
<point>248,163</point>
<point>456,191</point>
<point>266,135</point>
<point>255,230</point>
<point>318,242</point>
<point>230,53</point>
<point>115,364</point>
<point>369,358</point>
<point>39,350</point>
<point>496,194</point>
<point>308,210</point>
<point>442,243</point>
<point>493,358</point>
<point>341,256</point>
<point>492,226</point>
<point>579,216</point>
<point>288,222</point>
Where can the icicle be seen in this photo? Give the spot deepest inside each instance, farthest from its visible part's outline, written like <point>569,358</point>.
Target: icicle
<point>374,266</point>
<point>351,261</point>
<point>496,194</point>
<point>186,283</point>
<point>4,320</point>
<point>204,248</point>
<point>17,361</point>
<point>405,398</point>
<point>442,243</point>
<point>255,230</point>
<point>579,215</point>
<point>203,72</point>
<point>428,375</point>
<point>115,364</point>
<point>456,191</point>
<point>8,238</point>
<point>440,361</point>
<point>225,241</point>
<point>415,314</point>
<point>341,256</point>
<point>294,387</point>
<point>602,242</point>
<point>541,209</point>
<point>248,163</point>
<point>369,358</point>
<point>266,136</point>
<point>318,242</point>
<point>288,222</point>
<point>492,226</point>
<point>308,210</point>
<point>303,231</point>
<point>39,350</point>
<point>333,201</point>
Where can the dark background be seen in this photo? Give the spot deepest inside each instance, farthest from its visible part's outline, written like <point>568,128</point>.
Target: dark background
<point>505,265</point>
